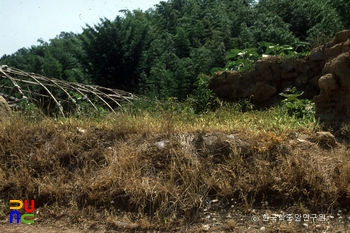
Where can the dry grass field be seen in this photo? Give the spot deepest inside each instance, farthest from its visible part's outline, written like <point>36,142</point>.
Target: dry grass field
<point>172,171</point>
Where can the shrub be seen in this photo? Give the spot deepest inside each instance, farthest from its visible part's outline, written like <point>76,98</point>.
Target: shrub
<point>204,99</point>
<point>241,60</point>
<point>299,108</point>
<point>29,110</point>
<point>244,60</point>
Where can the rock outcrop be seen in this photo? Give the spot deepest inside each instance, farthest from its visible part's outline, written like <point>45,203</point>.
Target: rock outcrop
<point>333,102</point>
<point>5,110</point>
<point>324,76</point>
<point>270,77</point>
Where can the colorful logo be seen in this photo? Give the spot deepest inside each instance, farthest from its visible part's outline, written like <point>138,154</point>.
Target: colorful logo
<point>28,211</point>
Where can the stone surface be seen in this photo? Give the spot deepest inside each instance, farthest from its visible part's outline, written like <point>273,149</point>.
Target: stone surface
<point>227,84</point>
<point>5,110</point>
<point>341,36</point>
<point>324,76</point>
<point>262,92</point>
<point>317,54</point>
<point>330,53</point>
<point>328,83</point>
<point>332,104</point>
<point>269,78</point>
<point>346,46</point>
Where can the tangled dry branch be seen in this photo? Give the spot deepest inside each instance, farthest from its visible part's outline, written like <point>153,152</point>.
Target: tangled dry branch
<point>18,85</point>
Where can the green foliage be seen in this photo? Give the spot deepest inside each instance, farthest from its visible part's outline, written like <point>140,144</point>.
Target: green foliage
<point>345,130</point>
<point>29,110</point>
<point>279,50</point>
<point>296,107</point>
<point>51,67</point>
<point>153,107</point>
<point>245,105</point>
<point>241,60</point>
<point>204,100</point>
<point>266,27</point>
<point>113,50</point>
<point>284,51</point>
<point>308,19</point>
<point>161,52</point>
<point>58,59</point>
<point>342,7</point>
<point>244,60</point>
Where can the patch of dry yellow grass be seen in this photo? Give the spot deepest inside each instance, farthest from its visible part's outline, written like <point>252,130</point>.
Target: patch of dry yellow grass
<point>112,169</point>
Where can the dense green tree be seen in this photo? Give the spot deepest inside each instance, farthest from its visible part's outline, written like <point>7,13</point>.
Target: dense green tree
<point>182,43</point>
<point>343,9</point>
<point>52,68</point>
<point>266,28</point>
<point>67,49</point>
<point>162,52</point>
<point>185,78</point>
<point>60,58</point>
<point>159,61</point>
<point>307,19</point>
<point>114,48</point>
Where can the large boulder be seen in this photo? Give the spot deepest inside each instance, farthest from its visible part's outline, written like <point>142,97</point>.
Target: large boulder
<point>340,37</point>
<point>5,110</point>
<point>333,102</point>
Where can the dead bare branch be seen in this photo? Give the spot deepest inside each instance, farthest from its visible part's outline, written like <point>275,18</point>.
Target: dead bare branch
<point>42,87</point>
